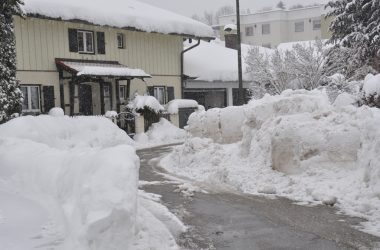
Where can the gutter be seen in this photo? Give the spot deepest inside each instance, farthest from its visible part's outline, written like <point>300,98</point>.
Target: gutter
<point>182,66</point>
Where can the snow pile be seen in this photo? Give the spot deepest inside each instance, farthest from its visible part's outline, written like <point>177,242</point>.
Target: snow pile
<point>121,14</point>
<point>299,146</point>
<point>173,106</point>
<point>56,112</point>
<point>221,125</point>
<point>145,101</point>
<point>371,86</point>
<point>111,114</point>
<point>71,183</point>
<point>163,132</point>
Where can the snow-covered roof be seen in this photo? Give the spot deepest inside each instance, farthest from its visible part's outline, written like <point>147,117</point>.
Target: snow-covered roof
<point>130,14</point>
<point>102,69</point>
<point>214,62</point>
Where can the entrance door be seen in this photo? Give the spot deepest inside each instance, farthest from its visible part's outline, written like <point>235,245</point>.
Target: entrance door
<point>85,99</point>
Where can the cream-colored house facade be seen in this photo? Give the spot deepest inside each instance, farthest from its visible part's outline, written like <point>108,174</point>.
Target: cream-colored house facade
<point>89,69</point>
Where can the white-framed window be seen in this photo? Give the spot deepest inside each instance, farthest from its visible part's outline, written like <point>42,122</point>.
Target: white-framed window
<point>122,93</point>
<point>31,101</point>
<point>159,94</point>
<point>249,31</point>
<point>120,40</point>
<point>85,41</point>
<point>265,29</point>
<point>299,26</point>
<point>316,24</point>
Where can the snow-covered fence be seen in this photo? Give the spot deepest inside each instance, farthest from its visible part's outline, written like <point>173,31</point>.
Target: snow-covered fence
<point>221,125</point>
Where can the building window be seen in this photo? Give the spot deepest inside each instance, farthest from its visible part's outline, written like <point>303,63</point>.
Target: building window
<point>299,26</point>
<point>85,41</point>
<point>122,93</point>
<point>316,24</point>
<point>249,31</point>
<point>31,101</point>
<point>120,41</point>
<point>266,29</point>
<point>159,94</point>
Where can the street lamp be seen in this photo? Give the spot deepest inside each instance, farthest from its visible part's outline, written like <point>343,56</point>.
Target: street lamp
<point>240,70</point>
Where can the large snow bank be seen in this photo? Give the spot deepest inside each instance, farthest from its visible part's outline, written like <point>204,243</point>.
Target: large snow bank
<point>121,14</point>
<point>75,181</point>
<point>221,125</point>
<point>143,101</point>
<point>161,133</point>
<point>299,146</point>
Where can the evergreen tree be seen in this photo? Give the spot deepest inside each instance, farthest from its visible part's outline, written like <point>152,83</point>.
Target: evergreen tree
<point>10,93</point>
<point>356,26</point>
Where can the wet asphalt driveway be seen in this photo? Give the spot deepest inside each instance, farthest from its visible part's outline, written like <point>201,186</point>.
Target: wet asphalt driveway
<point>227,220</point>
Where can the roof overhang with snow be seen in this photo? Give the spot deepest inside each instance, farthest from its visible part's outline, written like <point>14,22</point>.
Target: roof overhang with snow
<point>124,14</point>
<point>89,68</point>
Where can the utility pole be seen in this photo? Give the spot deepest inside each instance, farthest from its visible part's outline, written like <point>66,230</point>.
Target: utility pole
<point>240,70</point>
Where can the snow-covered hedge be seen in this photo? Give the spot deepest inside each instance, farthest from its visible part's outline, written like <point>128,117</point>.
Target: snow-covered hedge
<point>296,145</point>
<point>77,179</point>
<point>371,90</point>
<point>142,103</point>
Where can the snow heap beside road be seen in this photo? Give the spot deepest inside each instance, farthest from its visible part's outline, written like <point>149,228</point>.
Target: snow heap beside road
<point>295,145</point>
<point>72,183</point>
<point>161,133</point>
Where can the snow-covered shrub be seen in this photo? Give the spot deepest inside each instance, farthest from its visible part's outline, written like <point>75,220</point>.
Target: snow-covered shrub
<point>371,91</point>
<point>302,67</point>
<point>145,104</point>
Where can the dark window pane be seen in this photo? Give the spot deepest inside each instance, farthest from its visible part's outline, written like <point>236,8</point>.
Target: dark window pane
<point>89,42</point>
<point>80,42</point>
<point>26,98</point>
<point>35,97</point>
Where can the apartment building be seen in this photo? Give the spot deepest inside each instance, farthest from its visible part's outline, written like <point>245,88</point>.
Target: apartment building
<point>270,28</point>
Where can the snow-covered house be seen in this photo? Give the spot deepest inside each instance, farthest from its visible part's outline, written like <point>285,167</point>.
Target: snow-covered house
<point>211,70</point>
<point>89,56</point>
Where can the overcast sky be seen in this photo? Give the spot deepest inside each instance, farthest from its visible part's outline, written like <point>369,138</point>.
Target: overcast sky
<point>190,7</point>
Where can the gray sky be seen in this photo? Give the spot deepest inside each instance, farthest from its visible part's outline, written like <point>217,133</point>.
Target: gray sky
<point>190,7</point>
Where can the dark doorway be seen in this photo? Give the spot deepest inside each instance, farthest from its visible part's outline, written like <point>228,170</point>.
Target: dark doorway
<point>184,114</point>
<point>85,99</point>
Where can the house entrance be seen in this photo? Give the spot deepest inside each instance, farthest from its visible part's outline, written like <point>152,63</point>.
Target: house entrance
<point>85,97</point>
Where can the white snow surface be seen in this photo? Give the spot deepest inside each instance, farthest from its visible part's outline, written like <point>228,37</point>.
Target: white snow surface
<point>372,85</point>
<point>57,112</point>
<point>295,145</point>
<point>214,62</point>
<point>173,106</point>
<point>161,133</point>
<point>120,14</point>
<point>72,183</point>
<point>142,101</point>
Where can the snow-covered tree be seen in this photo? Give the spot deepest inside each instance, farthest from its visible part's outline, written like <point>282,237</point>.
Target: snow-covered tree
<point>280,5</point>
<point>303,66</point>
<point>10,93</point>
<point>356,26</point>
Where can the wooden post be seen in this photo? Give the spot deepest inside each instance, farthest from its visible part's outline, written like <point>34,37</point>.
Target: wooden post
<point>129,88</point>
<point>102,110</point>
<point>62,90</point>
<point>117,96</point>
<point>72,94</point>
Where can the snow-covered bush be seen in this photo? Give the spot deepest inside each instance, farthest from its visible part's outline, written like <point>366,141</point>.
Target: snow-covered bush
<point>301,67</point>
<point>145,104</point>
<point>371,91</point>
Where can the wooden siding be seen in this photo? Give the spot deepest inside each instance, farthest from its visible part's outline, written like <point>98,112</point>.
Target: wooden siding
<point>40,41</point>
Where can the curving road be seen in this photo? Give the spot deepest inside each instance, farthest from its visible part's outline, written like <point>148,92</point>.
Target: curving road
<point>227,220</point>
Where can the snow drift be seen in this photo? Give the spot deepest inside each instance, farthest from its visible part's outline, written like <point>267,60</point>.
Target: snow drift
<point>82,173</point>
<point>295,145</point>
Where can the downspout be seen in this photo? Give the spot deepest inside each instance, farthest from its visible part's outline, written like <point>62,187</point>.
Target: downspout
<point>182,66</point>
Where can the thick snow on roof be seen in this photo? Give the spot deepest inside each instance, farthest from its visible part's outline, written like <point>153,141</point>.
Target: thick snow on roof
<point>121,14</point>
<point>214,62</point>
<point>173,106</point>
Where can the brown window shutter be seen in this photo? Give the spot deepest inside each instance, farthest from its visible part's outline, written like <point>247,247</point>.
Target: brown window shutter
<point>151,91</point>
<point>101,42</point>
<point>49,100</point>
<point>73,40</point>
<point>170,93</point>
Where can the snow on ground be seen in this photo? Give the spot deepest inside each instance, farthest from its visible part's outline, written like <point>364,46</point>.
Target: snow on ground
<point>121,14</point>
<point>161,133</point>
<point>295,145</point>
<point>72,183</point>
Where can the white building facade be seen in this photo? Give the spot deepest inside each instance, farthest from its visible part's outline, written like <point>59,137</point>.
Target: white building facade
<point>270,28</point>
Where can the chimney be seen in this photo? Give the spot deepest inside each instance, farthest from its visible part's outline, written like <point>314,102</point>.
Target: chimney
<point>230,36</point>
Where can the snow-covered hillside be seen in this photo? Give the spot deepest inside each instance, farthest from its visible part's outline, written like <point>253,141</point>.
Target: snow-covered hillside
<point>72,183</point>
<point>295,145</point>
